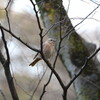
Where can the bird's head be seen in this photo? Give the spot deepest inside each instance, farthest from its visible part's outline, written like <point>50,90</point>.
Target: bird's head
<point>51,41</point>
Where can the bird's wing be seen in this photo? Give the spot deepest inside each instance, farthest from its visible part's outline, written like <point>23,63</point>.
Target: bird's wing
<point>47,50</point>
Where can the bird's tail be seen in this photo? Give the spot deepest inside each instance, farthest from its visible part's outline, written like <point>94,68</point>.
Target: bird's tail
<point>35,61</point>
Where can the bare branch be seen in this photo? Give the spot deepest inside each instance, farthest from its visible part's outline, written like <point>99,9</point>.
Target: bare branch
<point>54,72</point>
<point>83,67</point>
<point>91,82</point>
<point>36,13</point>
<point>21,87</point>
<point>38,85</point>
<point>8,4</point>
<point>3,95</point>
<point>68,6</point>
<point>18,38</point>
<point>6,9</point>
<point>71,30</point>
<point>53,26</point>
<point>27,93</point>
<point>39,24</point>
<point>80,18</point>
<point>94,2</point>
<point>6,66</point>
<point>6,48</point>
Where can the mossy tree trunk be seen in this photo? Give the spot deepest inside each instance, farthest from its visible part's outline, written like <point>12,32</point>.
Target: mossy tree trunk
<point>74,49</point>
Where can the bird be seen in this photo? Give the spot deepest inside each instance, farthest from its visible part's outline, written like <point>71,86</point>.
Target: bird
<point>48,50</point>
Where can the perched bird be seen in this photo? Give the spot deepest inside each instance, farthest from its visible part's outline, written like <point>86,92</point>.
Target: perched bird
<point>48,49</point>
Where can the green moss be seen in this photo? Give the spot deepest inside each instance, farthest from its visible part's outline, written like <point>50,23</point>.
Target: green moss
<point>48,8</point>
<point>52,15</point>
<point>85,97</point>
<point>86,94</point>
<point>98,94</point>
<point>78,51</point>
<point>51,8</point>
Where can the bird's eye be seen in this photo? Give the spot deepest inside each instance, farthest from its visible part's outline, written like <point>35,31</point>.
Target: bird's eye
<point>53,40</point>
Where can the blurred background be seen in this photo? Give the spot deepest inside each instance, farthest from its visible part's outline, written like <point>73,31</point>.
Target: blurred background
<point>24,25</point>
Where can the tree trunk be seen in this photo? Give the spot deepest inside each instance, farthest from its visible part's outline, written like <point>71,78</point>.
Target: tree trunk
<point>74,49</point>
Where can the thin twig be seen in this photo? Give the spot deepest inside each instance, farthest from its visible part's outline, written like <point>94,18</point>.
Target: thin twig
<point>78,73</point>
<point>18,38</point>
<point>80,18</point>
<point>94,2</point>
<point>21,87</point>
<point>3,95</point>
<point>38,85</point>
<point>36,13</point>
<point>8,4</point>
<point>83,67</point>
<point>53,70</point>
<point>6,9</point>
<point>53,26</point>
<point>71,30</point>
<point>68,6</point>
<point>89,81</point>
<point>39,25</point>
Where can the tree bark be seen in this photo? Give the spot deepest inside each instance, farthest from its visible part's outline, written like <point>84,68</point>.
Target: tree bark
<point>9,77</point>
<point>74,50</point>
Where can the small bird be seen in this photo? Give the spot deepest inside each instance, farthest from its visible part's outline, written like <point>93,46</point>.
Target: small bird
<point>48,49</point>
